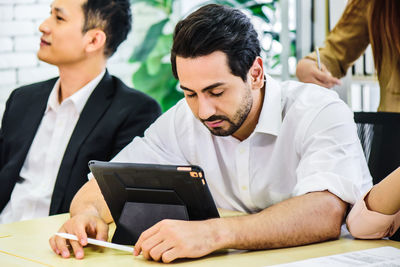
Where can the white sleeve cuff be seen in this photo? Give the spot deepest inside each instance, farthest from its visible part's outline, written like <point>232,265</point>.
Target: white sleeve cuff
<point>338,185</point>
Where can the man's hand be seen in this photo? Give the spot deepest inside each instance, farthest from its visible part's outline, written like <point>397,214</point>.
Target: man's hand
<point>172,239</point>
<point>307,71</point>
<point>82,226</point>
<point>310,218</point>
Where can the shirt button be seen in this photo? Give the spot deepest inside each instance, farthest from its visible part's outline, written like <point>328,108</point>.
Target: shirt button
<point>244,188</point>
<point>242,150</point>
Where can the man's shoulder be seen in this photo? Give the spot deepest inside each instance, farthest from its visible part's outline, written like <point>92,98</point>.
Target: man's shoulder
<point>34,88</point>
<point>303,103</point>
<point>307,96</point>
<point>127,94</point>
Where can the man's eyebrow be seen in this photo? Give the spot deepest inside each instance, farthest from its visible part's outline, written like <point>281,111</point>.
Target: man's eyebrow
<point>212,86</point>
<point>58,10</point>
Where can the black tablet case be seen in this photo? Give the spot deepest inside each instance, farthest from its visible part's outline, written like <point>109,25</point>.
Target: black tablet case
<point>140,195</point>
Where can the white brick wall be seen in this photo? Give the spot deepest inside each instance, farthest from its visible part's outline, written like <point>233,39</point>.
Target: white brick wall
<point>20,37</point>
<point>26,44</point>
<point>16,28</point>
<point>6,44</point>
<point>8,77</point>
<point>19,1</point>
<point>32,11</point>
<point>6,13</point>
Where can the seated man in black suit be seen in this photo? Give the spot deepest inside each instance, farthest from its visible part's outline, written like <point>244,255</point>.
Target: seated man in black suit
<point>50,130</point>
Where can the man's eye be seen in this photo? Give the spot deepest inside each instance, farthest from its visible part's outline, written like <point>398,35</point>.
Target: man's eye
<point>190,95</point>
<point>217,94</point>
<point>59,18</point>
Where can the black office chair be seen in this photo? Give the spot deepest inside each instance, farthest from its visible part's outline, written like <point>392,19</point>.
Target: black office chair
<point>379,133</point>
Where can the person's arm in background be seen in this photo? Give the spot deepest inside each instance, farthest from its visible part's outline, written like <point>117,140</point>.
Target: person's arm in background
<point>344,45</point>
<point>377,215</point>
<point>385,196</point>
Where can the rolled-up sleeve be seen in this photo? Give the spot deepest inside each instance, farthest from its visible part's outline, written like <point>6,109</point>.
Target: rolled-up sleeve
<point>331,155</point>
<point>366,224</point>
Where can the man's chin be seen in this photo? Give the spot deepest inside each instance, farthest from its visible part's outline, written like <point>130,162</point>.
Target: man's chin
<point>43,58</point>
<point>218,131</point>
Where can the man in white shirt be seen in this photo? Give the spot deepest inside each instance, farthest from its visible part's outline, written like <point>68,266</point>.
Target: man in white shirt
<point>287,153</point>
<point>50,130</point>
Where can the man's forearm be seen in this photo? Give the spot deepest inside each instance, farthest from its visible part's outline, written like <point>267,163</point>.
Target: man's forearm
<point>90,200</point>
<point>306,219</point>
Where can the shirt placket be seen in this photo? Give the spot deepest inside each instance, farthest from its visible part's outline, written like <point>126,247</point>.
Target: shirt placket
<point>242,165</point>
<point>52,152</point>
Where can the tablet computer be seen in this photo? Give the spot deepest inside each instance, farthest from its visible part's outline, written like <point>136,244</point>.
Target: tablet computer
<point>140,195</point>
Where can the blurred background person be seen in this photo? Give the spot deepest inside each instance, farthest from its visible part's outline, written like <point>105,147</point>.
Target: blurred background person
<point>51,129</point>
<point>374,22</point>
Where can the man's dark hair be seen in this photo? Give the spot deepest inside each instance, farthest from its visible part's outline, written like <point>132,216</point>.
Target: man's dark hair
<point>112,16</point>
<point>217,28</point>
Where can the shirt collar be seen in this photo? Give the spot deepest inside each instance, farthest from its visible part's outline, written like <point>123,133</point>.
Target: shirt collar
<point>270,119</point>
<point>79,98</point>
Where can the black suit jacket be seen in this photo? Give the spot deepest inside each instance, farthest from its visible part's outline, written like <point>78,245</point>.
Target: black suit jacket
<point>113,115</point>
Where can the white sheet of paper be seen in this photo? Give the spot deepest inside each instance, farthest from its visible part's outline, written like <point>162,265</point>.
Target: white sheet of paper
<point>383,256</point>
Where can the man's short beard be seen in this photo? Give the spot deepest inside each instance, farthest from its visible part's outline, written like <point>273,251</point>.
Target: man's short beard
<point>238,119</point>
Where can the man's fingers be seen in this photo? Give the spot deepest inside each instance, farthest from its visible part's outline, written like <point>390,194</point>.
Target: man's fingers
<point>81,226</point>
<point>143,237</point>
<point>101,230</point>
<point>77,248</point>
<point>62,246</point>
<point>79,229</point>
<point>157,251</point>
<point>149,245</point>
<point>170,255</point>
<point>53,245</point>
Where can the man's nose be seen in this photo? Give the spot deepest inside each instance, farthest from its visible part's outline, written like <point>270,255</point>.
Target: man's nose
<point>206,109</point>
<point>44,26</point>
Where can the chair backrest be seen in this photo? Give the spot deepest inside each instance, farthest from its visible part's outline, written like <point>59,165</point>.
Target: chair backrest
<point>379,133</point>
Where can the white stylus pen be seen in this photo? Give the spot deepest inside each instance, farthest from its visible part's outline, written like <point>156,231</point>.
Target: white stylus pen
<point>98,242</point>
<point>318,58</point>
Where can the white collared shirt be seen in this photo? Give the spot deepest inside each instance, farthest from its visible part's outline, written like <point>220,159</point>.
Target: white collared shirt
<point>305,141</point>
<point>31,198</point>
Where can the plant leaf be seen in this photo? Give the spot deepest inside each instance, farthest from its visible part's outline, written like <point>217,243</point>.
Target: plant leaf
<point>256,10</point>
<point>149,2</point>
<point>162,49</point>
<point>149,42</point>
<point>160,86</point>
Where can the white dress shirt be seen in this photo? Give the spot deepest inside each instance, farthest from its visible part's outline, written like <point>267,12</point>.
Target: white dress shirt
<point>305,141</point>
<point>31,198</point>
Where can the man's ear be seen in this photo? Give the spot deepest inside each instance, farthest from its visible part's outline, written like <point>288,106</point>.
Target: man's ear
<point>256,74</point>
<point>96,40</point>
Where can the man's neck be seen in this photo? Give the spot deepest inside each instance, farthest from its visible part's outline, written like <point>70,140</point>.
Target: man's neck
<point>74,77</point>
<point>251,121</point>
